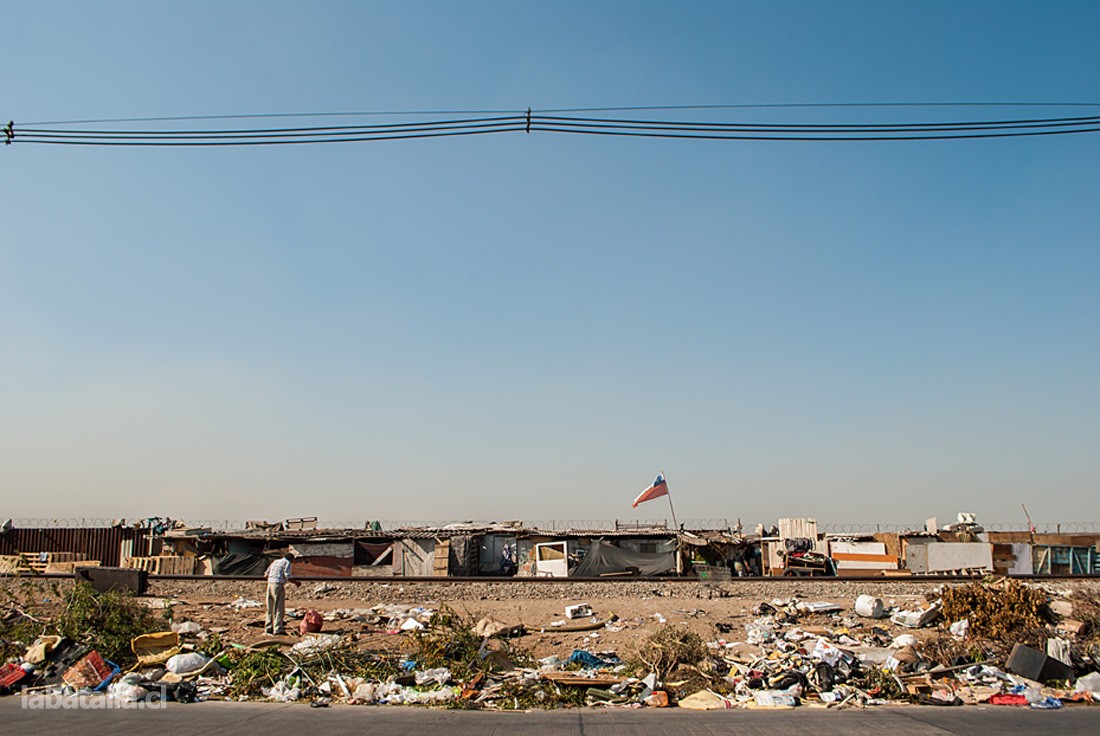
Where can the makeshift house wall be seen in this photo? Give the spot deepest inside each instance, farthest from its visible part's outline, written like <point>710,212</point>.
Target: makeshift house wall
<point>101,543</point>
<point>252,564</point>
<point>414,557</point>
<point>947,556</point>
<point>374,558</point>
<point>604,558</point>
<point>857,558</point>
<point>525,547</point>
<point>1012,559</point>
<point>891,541</point>
<point>464,555</point>
<point>323,558</point>
<point>1065,560</point>
<point>799,529</point>
<point>646,545</point>
<point>1056,540</point>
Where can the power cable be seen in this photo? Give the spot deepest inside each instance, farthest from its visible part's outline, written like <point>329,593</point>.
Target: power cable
<point>528,122</point>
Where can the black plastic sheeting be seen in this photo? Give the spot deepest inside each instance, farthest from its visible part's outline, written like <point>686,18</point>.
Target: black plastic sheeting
<point>242,564</point>
<point>604,558</point>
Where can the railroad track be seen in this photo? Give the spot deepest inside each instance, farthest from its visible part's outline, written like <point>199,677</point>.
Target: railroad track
<point>884,579</point>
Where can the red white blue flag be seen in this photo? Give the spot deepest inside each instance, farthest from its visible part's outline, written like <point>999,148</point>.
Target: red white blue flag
<point>656,489</point>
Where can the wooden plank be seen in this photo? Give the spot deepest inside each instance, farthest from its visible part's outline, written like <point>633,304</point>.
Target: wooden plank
<point>860,557</point>
<point>163,564</point>
<point>68,567</point>
<point>441,564</point>
<point>13,564</point>
<point>573,679</point>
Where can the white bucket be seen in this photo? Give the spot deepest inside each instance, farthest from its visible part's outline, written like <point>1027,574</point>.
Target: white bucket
<point>869,606</point>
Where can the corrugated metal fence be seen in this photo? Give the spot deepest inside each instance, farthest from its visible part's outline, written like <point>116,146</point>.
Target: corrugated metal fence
<point>103,544</point>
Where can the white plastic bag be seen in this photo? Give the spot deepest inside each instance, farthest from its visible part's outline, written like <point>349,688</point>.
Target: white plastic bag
<point>181,664</point>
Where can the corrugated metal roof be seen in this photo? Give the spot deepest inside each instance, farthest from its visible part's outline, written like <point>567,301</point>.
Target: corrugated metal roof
<point>320,535</point>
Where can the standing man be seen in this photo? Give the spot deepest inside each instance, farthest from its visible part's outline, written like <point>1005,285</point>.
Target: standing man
<point>278,574</point>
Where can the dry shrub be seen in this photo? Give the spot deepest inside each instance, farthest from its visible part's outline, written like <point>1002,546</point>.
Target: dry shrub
<point>1086,608</point>
<point>667,648</point>
<point>942,648</point>
<point>997,611</point>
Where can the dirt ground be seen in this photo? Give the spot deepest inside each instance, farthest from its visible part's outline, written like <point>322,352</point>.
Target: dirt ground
<point>640,606</point>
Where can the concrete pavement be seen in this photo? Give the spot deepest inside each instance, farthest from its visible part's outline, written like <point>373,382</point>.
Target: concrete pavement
<point>249,718</point>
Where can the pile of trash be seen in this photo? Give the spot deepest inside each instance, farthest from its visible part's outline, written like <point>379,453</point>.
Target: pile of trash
<point>165,671</point>
<point>790,655</point>
<point>993,642</point>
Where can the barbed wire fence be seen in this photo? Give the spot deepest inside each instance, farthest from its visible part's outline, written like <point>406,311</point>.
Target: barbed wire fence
<point>222,525</point>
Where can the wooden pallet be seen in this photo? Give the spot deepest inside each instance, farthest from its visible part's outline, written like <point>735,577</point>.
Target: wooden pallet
<point>13,565</point>
<point>39,561</point>
<point>68,568</point>
<point>163,565</point>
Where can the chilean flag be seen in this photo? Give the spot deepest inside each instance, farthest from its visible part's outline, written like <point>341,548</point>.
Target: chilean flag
<point>656,489</point>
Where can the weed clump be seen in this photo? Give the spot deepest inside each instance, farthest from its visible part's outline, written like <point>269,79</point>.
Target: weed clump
<point>666,649</point>
<point>107,622</point>
<point>254,670</point>
<point>450,641</point>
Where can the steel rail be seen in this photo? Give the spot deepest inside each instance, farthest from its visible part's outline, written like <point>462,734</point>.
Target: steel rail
<point>559,581</point>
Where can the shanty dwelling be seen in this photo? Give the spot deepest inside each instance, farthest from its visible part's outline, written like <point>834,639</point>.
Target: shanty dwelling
<point>862,555</point>
<point>248,552</point>
<point>323,557</point>
<point>793,533</point>
<point>1025,553</point>
<point>373,557</point>
<point>437,552</point>
<point>597,553</point>
<point>925,555</point>
<point>109,546</point>
<point>721,554</point>
<point>497,554</point>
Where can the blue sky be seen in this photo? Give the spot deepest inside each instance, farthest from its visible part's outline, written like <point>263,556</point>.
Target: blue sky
<point>531,326</point>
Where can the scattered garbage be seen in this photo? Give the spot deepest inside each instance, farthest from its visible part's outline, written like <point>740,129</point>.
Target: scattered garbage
<point>10,675</point>
<point>782,653</point>
<point>312,622</point>
<point>1037,666</point>
<point>283,692</point>
<point>580,610</point>
<point>1089,683</point>
<point>960,629</point>
<point>706,700</point>
<point>917,619</point>
<point>869,606</point>
<point>411,624</point>
<point>181,664</point>
<point>774,699</point>
<point>38,651</point>
<point>439,675</point>
<point>90,672</point>
<point>312,645</point>
<point>187,628</point>
<point>128,689</point>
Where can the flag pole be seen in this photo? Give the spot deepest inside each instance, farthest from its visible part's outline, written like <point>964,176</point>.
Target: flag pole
<point>668,492</point>
<point>675,527</point>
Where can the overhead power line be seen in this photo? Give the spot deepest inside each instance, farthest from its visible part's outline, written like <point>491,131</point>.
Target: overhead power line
<point>559,110</point>
<point>530,121</point>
